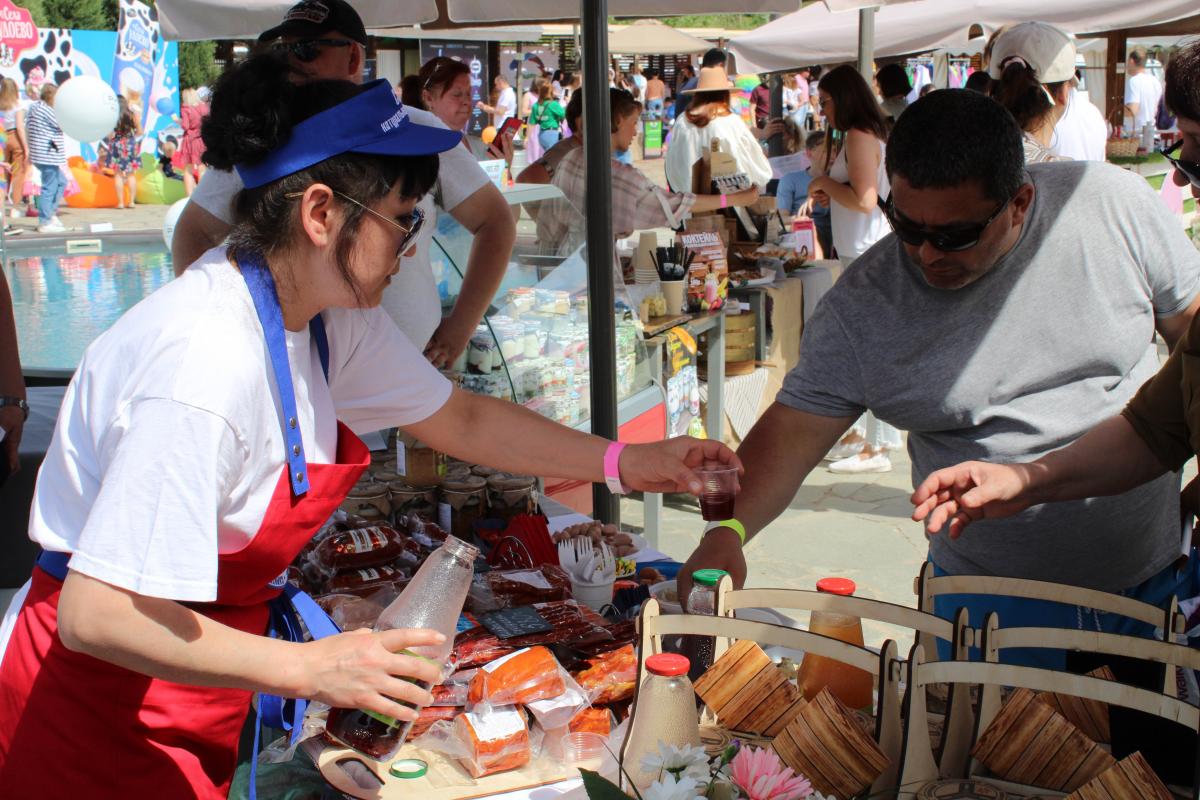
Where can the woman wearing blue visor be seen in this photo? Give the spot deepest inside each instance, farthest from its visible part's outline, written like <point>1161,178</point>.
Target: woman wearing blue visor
<point>209,433</point>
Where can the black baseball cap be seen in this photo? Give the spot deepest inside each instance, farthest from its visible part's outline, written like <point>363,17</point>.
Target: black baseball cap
<point>315,18</point>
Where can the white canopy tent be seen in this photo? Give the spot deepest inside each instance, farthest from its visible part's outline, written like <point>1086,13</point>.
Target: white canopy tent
<point>815,35</point>
<point>652,37</point>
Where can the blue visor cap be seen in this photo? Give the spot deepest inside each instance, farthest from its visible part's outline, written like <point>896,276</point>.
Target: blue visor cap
<point>374,122</point>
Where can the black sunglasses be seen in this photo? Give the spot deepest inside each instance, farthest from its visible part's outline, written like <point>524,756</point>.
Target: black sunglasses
<point>947,240</point>
<point>1190,169</point>
<point>307,50</point>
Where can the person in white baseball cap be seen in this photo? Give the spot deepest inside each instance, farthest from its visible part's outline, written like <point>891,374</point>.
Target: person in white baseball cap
<point>1033,64</point>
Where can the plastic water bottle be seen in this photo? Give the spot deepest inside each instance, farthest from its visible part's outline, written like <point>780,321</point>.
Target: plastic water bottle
<point>433,599</point>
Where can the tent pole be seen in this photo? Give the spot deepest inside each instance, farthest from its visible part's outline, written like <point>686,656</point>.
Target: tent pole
<point>866,43</point>
<point>601,294</point>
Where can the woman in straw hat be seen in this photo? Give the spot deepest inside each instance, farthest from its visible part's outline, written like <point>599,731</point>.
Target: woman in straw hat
<point>709,117</point>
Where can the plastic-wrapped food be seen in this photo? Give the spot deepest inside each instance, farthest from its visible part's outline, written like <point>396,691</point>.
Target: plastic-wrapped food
<point>350,612</point>
<point>521,677</point>
<point>497,739</point>
<point>594,719</point>
<point>360,581</point>
<point>476,647</point>
<point>557,712</point>
<point>453,692</point>
<point>610,677</point>
<point>358,549</point>
<point>524,587</point>
<point>432,714</point>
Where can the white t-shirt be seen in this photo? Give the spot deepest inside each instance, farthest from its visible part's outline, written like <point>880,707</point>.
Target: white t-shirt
<point>1145,90</point>
<point>689,143</point>
<point>412,298</point>
<point>506,105</point>
<point>1081,131</point>
<point>169,446</point>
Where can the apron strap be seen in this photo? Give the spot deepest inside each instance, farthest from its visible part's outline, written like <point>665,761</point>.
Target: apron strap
<point>266,302</point>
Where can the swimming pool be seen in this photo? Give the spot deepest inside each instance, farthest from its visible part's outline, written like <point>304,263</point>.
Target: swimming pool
<point>62,301</point>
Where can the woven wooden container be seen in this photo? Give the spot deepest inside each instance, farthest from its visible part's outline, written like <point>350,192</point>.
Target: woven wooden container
<point>1030,743</point>
<point>1090,716</point>
<point>1122,148</point>
<point>1129,779</point>
<point>748,692</point>
<point>826,745</point>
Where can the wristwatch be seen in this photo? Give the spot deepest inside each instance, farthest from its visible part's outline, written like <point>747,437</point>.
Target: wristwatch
<point>15,401</point>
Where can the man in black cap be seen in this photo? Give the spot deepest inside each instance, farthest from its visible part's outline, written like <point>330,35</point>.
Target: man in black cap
<point>326,40</point>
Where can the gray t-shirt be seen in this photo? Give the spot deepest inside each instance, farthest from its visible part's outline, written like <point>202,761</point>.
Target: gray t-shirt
<point>1053,340</point>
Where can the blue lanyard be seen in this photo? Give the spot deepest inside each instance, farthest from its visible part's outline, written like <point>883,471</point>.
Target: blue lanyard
<point>266,302</point>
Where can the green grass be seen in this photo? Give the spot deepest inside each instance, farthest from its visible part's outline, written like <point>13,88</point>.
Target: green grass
<point>1151,158</point>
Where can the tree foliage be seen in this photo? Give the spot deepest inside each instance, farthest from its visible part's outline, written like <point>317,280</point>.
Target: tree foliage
<point>196,65</point>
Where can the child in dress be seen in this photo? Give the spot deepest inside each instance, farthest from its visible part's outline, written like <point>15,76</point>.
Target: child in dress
<point>121,153</point>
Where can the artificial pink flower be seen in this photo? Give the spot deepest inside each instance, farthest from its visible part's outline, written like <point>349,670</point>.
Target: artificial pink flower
<point>760,775</point>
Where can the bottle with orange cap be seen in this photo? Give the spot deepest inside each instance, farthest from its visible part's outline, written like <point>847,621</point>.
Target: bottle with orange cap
<point>851,685</point>
<point>666,714</point>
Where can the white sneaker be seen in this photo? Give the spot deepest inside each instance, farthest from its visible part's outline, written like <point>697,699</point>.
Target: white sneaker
<point>56,221</point>
<point>845,450</point>
<point>16,213</point>
<point>880,462</point>
<point>51,227</point>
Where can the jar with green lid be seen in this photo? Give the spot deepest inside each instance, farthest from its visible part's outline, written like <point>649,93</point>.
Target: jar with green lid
<point>702,600</point>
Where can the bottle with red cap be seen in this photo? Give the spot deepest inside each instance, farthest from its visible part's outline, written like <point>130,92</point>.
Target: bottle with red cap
<point>851,685</point>
<point>666,714</point>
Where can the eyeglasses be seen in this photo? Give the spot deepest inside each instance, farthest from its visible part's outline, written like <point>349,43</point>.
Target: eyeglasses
<point>947,240</point>
<point>410,233</point>
<point>306,50</point>
<point>1190,169</point>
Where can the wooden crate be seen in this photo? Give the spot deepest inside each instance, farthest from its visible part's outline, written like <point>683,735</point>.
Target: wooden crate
<point>1030,743</point>
<point>748,692</point>
<point>1090,716</point>
<point>827,745</point>
<point>1129,779</point>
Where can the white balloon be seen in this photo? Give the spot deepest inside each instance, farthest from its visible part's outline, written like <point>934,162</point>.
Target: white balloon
<point>169,222</point>
<point>86,108</point>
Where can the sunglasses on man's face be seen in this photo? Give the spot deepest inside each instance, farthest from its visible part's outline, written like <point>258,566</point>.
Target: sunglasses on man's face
<point>1190,169</point>
<point>947,240</point>
<point>307,50</point>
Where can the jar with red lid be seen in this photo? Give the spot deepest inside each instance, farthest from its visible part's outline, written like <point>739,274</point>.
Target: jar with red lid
<point>666,714</point>
<point>853,686</point>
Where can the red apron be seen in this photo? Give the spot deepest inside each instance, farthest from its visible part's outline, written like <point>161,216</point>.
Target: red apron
<point>73,726</point>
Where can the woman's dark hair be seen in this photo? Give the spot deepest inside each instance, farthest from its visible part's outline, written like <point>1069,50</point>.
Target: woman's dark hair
<point>854,106</point>
<point>978,143</point>
<point>622,104</point>
<point>707,106</point>
<point>254,109</point>
<point>893,81</point>
<point>410,92</point>
<point>557,77</point>
<point>979,81</point>
<point>438,74</point>
<point>575,110</point>
<point>126,121</point>
<point>1020,91</point>
<point>1182,91</point>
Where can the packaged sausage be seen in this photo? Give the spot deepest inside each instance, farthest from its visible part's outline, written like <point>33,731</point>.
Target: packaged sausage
<point>521,677</point>
<point>523,587</point>
<point>610,677</point>
<point>476,647</point>
<point>497,740</point>
<point>432,714</point>
<point>358,549</point>
<point>594,719</point>
<point>365,581</point>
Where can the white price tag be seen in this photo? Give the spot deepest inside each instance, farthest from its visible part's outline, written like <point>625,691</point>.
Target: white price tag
<point>401,458</point>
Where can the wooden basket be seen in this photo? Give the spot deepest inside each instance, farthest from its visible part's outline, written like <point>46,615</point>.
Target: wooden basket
<point>1090,716</point>
<point>1129,779</point>
<point>1122,148</point>
<point>827,745</point>
<point>748,692</point>
<point>1030,743</point>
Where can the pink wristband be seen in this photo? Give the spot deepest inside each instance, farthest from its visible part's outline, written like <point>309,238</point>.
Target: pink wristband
<point>612,470</point>
<point>724,201</point>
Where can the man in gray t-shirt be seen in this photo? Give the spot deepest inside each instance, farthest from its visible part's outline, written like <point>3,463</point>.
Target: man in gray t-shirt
<point>1010,312</point>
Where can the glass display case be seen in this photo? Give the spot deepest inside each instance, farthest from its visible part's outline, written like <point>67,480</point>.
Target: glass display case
<point>532,346</point>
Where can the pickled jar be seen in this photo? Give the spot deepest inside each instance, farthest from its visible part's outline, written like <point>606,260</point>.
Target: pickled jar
<point>462,503</point>
<point>510,495</point>
<point>408,499</point>
<point>368,500</point>
<point>851,685</point>
<point>666,714</point>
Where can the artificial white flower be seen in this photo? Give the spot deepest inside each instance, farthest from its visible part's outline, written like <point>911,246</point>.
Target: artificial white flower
<point>668,789</point>
<point>686,761</point>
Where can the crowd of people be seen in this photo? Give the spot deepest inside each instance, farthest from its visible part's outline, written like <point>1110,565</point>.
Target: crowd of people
<point>305,312</point>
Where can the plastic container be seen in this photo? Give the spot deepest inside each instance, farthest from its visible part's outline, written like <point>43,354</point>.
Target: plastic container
<point>593,595</point>
<point>583,746</point>
<point>433,599</point>
<point>852,686</point>
<point>703,601</point>
<point>667,714</point>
